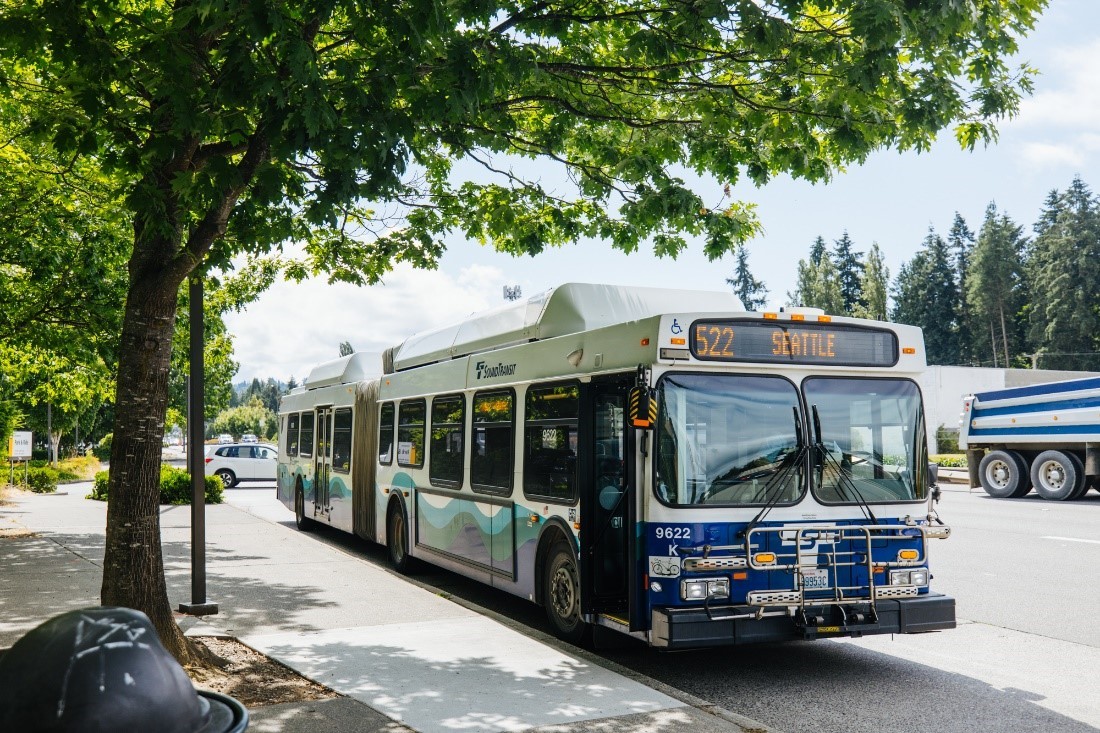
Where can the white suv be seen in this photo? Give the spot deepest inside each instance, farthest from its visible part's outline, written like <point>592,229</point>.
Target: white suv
<point>241,462</point>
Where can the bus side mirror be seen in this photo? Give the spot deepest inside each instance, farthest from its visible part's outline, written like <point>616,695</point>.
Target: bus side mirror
<point>642,407</point>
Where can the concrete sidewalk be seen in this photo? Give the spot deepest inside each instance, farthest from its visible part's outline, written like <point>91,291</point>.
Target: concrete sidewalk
<point>404,657</point>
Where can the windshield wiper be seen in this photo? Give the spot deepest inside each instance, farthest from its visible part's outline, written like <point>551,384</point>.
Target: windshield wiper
<point>779,479</point>
<point>844,481</point>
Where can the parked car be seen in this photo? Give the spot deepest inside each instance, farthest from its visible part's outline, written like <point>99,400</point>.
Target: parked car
<point>249,438</point>
<point>239,462</point>
<point>225,439</point>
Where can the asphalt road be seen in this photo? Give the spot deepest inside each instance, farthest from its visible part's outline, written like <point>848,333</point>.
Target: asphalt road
<point>1025,658</point>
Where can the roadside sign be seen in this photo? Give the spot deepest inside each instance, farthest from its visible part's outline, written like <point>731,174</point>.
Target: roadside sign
<point>19,445</point>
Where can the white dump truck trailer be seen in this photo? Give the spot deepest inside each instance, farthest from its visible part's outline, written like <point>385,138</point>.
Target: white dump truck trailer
<point>1045,436</point>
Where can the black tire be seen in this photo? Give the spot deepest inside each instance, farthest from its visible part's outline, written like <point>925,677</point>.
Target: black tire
<point>397,539</point>
<point>562,595</point>
<point>1057,476</point>
<point>228,479</point>
<point>1083,482</point>
<point>304,523</point>
<point>1003,474</point>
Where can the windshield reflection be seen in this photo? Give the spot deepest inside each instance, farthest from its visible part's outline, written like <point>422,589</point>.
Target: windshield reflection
<point>726,439</point>
<point>872,447</point>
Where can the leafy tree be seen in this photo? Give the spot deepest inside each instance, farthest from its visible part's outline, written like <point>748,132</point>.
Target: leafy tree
<point>818,285</point>
<point>1063,271</point>
<point>873,284</point>
<point>218,364</point>
<point>752,292</point>
<point>849,267</point>
<point>253,417</point>
<point>926,295</point>
<point>995,285</point>
<point>233,127</point>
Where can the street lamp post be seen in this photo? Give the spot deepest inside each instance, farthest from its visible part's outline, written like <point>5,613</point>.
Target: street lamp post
<point>196,409</point>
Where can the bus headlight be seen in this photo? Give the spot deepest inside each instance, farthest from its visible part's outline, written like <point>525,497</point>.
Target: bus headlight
<point>917,577</point>
<point>700,590</point>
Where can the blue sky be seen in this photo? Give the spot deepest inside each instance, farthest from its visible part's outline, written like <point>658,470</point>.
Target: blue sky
<point>892,199</point>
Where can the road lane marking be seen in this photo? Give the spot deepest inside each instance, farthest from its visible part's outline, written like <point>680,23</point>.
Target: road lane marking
<point>1072,539</point>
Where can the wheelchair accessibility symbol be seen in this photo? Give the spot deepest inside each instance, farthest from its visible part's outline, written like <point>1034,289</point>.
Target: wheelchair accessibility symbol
<point>675,328</point>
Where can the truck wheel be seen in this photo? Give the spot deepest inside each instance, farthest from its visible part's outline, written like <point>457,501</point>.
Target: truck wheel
<point>1057,476</point>
<point>1003,474</point>
<point>1083,482</point>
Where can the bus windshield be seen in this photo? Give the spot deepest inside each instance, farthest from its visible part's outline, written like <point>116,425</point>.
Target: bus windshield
<point>728,439</point>
<point>872,445</point>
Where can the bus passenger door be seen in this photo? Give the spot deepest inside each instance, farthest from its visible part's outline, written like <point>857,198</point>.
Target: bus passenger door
<point>323,464</point>
<point>607,501</point>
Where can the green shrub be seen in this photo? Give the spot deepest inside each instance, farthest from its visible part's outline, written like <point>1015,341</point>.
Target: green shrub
<point>41,479</point>
<point>99,487</point>
<point>102,451</point>
<point>949,460</point>
<point>175,487</point>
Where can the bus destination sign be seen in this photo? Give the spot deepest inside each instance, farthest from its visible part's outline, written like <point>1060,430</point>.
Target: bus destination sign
<point>793,343</point>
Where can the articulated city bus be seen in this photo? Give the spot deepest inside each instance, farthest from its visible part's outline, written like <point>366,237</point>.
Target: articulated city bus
<point>657,462</point>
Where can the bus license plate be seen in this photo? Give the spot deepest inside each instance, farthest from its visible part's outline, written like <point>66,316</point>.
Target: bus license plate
<point>815,579</point>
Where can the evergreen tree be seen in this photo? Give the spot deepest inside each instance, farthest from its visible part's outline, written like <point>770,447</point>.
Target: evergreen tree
<point>1063,272</point>
<point>817,250</point>
<point>995,290</point>
<point>925,295</point>
<point>752,292</point>
<point>873,285</point>
<point>849,267</point>
<point>818,285</point>
<point>346,349</point>
<point>961,241</point>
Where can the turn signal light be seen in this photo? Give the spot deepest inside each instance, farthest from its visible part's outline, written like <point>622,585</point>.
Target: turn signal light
<point>908,554</point>
<point>764,558</point>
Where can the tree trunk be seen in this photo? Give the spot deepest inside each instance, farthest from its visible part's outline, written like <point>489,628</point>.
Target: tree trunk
<point>993,342</point>
<point>133,568</point>
<point>1004,336</point>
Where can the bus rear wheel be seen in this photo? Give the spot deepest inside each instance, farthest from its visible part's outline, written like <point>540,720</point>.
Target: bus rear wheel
<point>397,539</point>
<point>304,523</point>
<point>562,595</point>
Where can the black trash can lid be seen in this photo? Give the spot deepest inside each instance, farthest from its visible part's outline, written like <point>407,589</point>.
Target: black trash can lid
<point>103,670</point>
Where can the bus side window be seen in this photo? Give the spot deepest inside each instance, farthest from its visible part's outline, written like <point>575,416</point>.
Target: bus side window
<point>447,431</point>
<point>305,443</point>
<point>492,449</point>
<point>550,442</point>
<point>292,434</point>
<point>385,433</point>
<point>410,433</point>
<point>341,440</point>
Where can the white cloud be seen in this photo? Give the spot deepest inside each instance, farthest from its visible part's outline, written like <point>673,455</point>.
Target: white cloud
<point>295,326</point>
<point>1052,155</point>
<point>1067,95</point>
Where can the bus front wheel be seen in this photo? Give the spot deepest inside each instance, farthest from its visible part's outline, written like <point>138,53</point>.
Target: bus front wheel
<point>562,595</point>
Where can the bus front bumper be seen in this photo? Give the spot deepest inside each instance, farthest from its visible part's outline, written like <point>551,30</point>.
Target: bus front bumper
<point>685,628</point>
